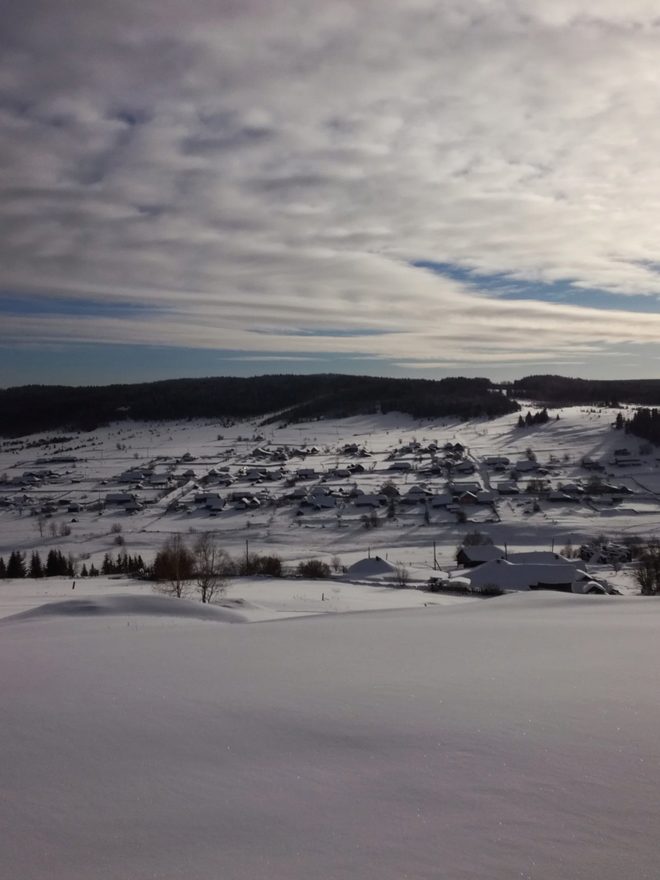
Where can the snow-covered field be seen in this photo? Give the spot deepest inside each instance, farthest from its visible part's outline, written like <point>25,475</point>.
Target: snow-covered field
<point>328,728</point>
<point>511,737</point>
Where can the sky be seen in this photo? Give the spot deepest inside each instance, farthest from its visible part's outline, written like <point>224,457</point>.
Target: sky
<point>387,187</point>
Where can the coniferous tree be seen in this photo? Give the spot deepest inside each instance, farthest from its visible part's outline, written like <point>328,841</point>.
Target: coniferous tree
<point>16,565</point>
<point>3,568</point>
<point>51,563</point>
<point>36,568</point>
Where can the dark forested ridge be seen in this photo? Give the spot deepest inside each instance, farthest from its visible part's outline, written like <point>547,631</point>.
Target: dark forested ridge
<point>34,408</point>
<point>562,390</point>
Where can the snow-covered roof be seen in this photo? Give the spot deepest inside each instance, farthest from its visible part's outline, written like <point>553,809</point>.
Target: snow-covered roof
<point>370,567</point>
<point>478,553</point>
<point>522,576</point>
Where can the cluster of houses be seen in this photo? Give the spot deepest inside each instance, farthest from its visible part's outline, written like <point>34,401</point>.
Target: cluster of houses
<point>183,483</point>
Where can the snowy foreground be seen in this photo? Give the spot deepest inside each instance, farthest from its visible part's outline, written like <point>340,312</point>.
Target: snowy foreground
<point>506,738</point>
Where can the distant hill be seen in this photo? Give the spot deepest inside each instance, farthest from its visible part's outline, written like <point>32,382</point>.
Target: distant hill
<point>33,408</point>
<point>564,391</point>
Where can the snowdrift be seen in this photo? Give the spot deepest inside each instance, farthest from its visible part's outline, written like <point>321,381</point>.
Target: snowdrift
<point>128,606</point>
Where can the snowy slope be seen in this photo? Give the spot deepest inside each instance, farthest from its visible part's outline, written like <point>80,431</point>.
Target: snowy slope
<point>515,737</point>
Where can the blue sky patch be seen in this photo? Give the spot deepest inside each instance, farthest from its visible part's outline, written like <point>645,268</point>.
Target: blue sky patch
<point>564,291</point>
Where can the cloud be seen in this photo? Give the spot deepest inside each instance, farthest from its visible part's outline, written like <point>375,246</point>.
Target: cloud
<point>257,175</point>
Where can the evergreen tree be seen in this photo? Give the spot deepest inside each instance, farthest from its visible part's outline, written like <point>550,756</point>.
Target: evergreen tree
<point>36,568</point>
<point>16,565</point>
<point>3,568</point>
<point>93,571</point>
<point>51,563</point>
<point>83,571</point>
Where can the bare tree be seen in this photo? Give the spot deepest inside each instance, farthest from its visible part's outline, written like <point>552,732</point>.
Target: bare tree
<point>174,566</point>
<point>647,572</point>
<point>401,574</point>
<point>211,565</point>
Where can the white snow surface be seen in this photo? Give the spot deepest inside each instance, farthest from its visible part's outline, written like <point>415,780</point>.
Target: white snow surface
<point>345,730</point>
<point>507,738</point>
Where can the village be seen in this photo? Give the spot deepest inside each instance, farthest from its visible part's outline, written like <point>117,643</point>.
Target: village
<point>411,493</point>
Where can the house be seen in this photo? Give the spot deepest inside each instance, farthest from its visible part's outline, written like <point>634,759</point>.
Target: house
<point>215,503</point>
<point>400,466</point>
<point>119,498</point>
<point>458,488</point>
<point>416,495</point>
<point>497,461</point>
<point>254,474</point>
<point>366,500</point>
<point>525,466</point>
<point>133,475</point>
<point>322,502</point>
<point>486,496</point>
<point>561,497</point>
<point>247,503</point>
<point>507,487</point>
<point>474,555</point>
<point>508,575</point>
<point>543,557</point>
<point>440,499</point>
<point>374,566</point>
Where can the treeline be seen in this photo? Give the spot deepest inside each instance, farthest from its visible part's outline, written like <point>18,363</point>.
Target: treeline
<point>56,564</point>
<point>537,418</point>
<point>34,408</point>
<point>565,391</point>
<point>645,423</point>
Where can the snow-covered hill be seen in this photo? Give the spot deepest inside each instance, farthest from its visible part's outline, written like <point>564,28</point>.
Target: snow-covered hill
<point>513,737</point>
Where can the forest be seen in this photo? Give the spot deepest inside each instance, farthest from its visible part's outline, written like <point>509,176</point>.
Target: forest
<point>34,408</point>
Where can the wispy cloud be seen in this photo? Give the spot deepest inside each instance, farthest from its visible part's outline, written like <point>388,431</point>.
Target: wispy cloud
<point>275,177</point>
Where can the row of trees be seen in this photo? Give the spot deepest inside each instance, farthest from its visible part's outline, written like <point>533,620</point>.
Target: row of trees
<point>56,564</point>
<point>645,423</point>
<point>205,567</point>
<point>537,418</point>
<point>564,391</point>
